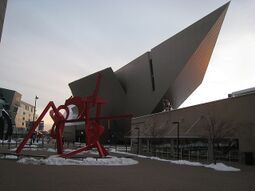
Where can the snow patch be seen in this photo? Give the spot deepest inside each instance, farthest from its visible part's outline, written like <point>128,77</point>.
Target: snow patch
<point>9,157</point>
<point>31,146</point>
<point>26,149</point>
<point>185,162</point>
<point>222,167</point>
<point>68,150</point>
<point>7,141</point>
<point>54,160</point>
<point>51,150</point>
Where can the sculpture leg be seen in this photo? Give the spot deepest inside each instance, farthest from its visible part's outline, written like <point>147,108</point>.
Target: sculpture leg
<point>59,139</point>
<point>102,151</point>
<point>30,133</point>
<point>105,151</point>
<point>67,155</point>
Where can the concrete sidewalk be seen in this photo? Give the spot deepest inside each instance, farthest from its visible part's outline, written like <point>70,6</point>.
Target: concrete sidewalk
<point>148,175</point>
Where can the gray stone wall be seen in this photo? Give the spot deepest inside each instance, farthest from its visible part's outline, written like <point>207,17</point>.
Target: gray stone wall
<point>230,118</point>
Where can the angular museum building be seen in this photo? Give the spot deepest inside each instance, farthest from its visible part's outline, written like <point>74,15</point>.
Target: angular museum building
<point>161,80</point>
<point>168,72</point>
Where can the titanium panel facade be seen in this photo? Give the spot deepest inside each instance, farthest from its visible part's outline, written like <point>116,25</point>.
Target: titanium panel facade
<point>136,80</point>
<point>172,70</point>
<point>181,61</point>
<point>110,90</point>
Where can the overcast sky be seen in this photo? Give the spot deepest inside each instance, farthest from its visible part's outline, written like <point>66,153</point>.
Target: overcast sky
<point>48,43</point>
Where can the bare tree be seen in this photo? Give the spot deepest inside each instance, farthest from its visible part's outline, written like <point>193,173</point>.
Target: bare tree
<point>216,131</point>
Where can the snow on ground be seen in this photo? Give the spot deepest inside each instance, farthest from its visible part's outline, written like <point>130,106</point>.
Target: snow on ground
<point>185,162</point>
<point>68,150</point>
<point>9,157</point>
<point>51,150</point>
<point>222,167</point>
<point>54,160</point>
<point>34,146</point>
<point>94,152</point>
<point>111,161</point>
<point>26,149</point>
<point>217,166</point>
<point>7,141</point>
<point>55,150</point>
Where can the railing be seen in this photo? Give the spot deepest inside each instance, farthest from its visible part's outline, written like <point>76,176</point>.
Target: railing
<point>119,148</point>
<point>191,154</point>
<point>45,143</point>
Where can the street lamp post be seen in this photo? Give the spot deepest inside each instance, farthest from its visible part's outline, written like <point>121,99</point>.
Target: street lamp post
<point>36,98</point>
<point>178,137</point>
<point>138,139</point>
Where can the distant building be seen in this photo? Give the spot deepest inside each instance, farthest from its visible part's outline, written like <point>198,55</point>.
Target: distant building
<point>24,117</point>
<point>3,4</point>
<point>230,122</point>
<point>21,113</point>
<point>13,98</point>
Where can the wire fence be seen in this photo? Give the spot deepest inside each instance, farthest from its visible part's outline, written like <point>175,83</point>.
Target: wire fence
<point>167,152</point>
<point>191,154</point>
<point>47,142</point>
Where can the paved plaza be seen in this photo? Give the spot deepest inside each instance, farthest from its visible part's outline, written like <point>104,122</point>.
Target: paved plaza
<point>147,175</point>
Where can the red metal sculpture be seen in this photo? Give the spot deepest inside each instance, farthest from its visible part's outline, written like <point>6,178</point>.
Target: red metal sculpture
<point>93,129</point>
